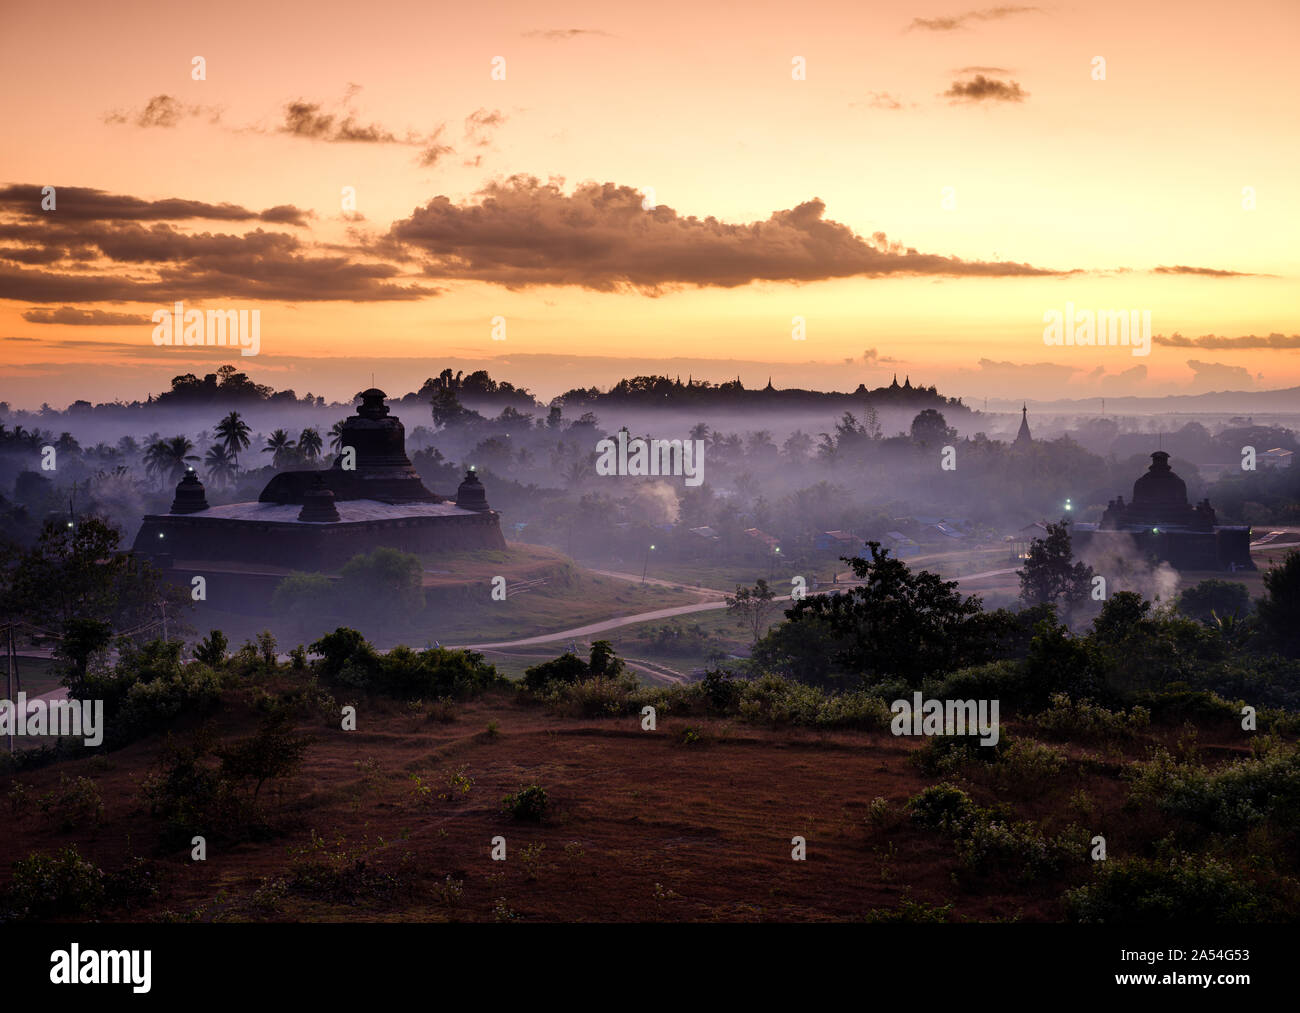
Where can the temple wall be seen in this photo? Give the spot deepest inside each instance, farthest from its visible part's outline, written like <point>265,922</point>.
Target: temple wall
<point>310,547</point>
<point>1220,549</point>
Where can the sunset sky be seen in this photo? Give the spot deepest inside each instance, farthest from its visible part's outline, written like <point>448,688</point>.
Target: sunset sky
<point>822,198</point>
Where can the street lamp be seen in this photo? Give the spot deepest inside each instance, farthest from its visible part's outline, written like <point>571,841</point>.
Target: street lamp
<point>646,567</point>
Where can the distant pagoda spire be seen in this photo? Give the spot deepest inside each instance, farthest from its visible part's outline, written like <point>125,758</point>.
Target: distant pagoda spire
<point>907,383</point>
<point>1023,438</point>
<point>894,385</point>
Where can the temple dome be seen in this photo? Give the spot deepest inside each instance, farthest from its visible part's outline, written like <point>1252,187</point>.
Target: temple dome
<point>1160,487</point>
<point>471,495</point>
<point>190,496</point>
<point>318,503</point>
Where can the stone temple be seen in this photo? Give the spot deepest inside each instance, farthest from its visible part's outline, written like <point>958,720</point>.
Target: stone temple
<point>1164,526</point>
<point>318,520</point>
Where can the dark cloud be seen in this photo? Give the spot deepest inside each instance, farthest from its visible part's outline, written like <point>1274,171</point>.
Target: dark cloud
<point>277,279</point>
<point>956,21</point>
<point>523,232</point>
<point>77,203</point>
<point>480,123</point>
<point>982,70</point>
<point>1212,272</point>
<point>164,111</point>
<point>82,318</point>
<point>99,247</point>
<point>981,89</point>
<point>1274,341</point>
<point>563,34</point>
<point>305,119</point>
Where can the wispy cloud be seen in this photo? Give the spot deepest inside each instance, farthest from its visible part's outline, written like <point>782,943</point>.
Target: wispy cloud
<point>165,111</point>
<point>1274,341</point>
<point>986,89</point>
<point>82,318</point>
<point>1212,272</point>
<point>564,34</point>
<point>954,22</point>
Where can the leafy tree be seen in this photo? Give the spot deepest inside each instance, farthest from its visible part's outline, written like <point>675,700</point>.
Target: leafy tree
<point>211,650</point>
<point>1212,600</point>
<point>754,605</point>
<point>1279,609</point>
<point>900,623</point>
<point>275,751</point>
<point>1050,576</point>
<point>77,573</point>
<point>930,428</point>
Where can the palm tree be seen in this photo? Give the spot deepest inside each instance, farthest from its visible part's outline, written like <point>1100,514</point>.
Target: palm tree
<point>281,447</point>
<point>168,459</point>
<point>232,432</point>
<point>309,443</point>
<point>336,438</point>
<point>221,468</point>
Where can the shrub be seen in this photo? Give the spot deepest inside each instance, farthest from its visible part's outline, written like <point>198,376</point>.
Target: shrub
<point>211,650</point>
<point>1231,798</point>
<point>1138,891</point>
<point>75,804</point>
<point>157,703</point>
<point>1084,721</point>
<point>1176,703</point>
<point>528,803</point>
<point>909,912</point>
<point>1019,847</point>
<point>403,672</point>
<point>597,697</point>
<point>61,885</point>
<point>1029,768</point>
<point>190,795</point>
<point>275,751</point>
<point>944,755</point>
<point>943,807</point>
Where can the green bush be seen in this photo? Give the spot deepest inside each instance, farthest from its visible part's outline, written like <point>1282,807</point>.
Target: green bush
<point>211,650</point>
<point>528,804</point>
<point>943,807</point>
<point>1229,799</point>
<point>1084,721</point>
<point>76,804</point>
<point>58,886</point>
<point>1138,891</point>
<point>999,845</point>
<point>347,659</point>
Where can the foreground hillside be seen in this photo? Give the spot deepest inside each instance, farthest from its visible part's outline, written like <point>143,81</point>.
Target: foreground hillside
<point>690,822</point>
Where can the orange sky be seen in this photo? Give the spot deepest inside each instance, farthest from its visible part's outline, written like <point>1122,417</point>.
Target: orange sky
<point>1092,184</point>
